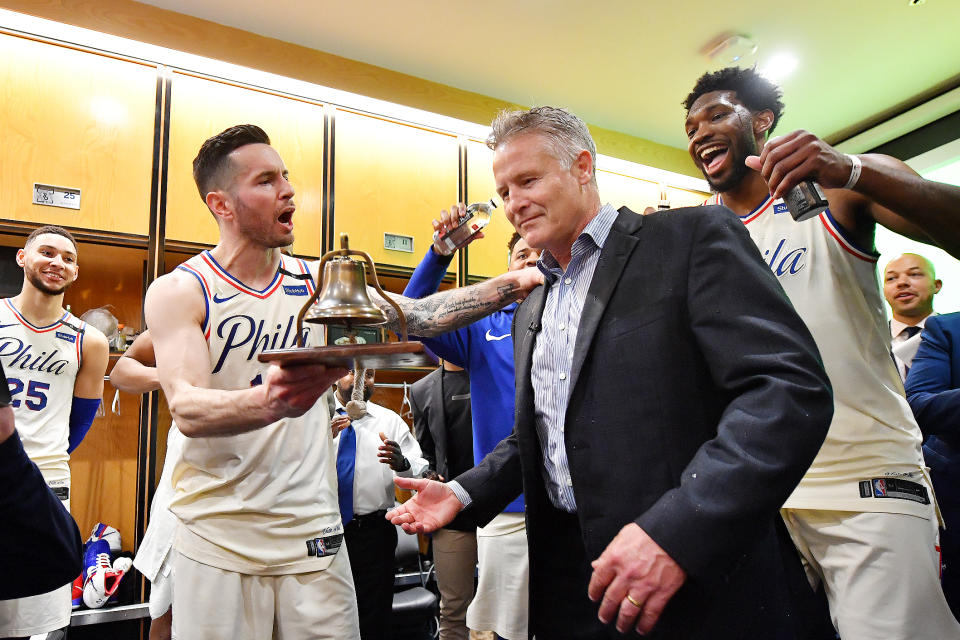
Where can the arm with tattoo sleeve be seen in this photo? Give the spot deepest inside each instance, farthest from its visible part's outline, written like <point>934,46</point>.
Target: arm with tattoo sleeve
<point>448,310</point>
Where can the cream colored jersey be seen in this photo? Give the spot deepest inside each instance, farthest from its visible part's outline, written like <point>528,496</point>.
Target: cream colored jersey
<point>871,460</point>
<point>262,502</point>
<point>41,364</point>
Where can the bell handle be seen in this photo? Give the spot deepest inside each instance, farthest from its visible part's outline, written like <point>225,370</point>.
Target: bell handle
<point>337,253</point>
<point>316,291</point>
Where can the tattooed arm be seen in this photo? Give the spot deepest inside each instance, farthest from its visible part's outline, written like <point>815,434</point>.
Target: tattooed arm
<point>448,310</point>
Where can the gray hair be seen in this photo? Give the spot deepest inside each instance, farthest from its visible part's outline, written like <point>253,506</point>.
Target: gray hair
<point>566,134</point>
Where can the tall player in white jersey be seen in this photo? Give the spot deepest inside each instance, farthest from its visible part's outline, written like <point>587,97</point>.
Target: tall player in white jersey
<point>54,364</point>
<point>260,543</point>
<point>863,518</point>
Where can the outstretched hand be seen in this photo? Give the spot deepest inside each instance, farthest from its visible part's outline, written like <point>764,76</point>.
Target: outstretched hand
<point>433,507</point>
<point>635,577</point>
<point>788,160</point>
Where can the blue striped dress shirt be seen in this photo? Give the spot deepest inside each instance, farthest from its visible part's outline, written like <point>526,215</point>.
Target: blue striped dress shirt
<point>553,352</point>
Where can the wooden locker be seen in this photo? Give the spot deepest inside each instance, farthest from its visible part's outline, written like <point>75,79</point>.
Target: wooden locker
<point>201,108</point>
<point>390,177</point>
<point>80,120</point>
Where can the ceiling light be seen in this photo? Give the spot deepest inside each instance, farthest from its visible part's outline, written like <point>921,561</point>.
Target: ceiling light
<point>779,66</point>
<point>729,48</point>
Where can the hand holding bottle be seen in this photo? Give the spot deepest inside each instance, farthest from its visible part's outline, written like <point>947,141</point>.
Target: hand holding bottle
<point>461,226</point>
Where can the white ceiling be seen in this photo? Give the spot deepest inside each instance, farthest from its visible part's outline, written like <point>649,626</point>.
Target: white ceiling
<point>627,64</point>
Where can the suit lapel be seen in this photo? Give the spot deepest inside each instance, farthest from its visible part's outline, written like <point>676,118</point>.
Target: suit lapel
<point>439,409</point>
<point>616,251</point>
<point>525,329</point>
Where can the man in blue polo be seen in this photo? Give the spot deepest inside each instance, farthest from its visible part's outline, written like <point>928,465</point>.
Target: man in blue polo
<point>485,350</point>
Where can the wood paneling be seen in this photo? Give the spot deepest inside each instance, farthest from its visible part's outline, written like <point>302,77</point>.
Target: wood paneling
<point>79,120</point>
<point>201,108</point>
<point>637,193</point>
<point>390,177</point>
<point>138,21</point>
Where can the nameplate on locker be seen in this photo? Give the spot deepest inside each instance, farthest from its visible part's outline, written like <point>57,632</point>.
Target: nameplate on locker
<point>52,196</point>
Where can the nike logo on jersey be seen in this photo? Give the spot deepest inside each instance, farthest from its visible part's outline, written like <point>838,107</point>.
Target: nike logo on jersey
<point>218,299</point>
<point>492,338</point>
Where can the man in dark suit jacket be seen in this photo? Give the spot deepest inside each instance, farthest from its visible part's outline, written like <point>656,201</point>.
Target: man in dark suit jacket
<point>933,390</point>
<point>442,421</point>
<point>668,401</point>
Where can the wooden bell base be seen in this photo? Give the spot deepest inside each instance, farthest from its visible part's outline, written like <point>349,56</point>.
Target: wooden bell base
<point>386,355</point>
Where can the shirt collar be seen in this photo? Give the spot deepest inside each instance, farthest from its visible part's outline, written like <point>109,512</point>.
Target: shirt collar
<point>897,327</point>
<point>594,235</point>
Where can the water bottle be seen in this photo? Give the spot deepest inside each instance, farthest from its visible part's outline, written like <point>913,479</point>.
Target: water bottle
<point>476,218</point>
<point>805,200</point>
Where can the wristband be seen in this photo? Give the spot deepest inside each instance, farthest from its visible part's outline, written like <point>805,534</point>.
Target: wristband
<point>855,171</point>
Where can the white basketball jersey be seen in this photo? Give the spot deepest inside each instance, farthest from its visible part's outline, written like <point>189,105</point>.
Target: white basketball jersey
<point>258,502</point>
<point>871,460</point>
<point>41,365</point>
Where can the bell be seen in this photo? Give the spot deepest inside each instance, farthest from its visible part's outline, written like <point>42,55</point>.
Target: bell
<point>343,298</point>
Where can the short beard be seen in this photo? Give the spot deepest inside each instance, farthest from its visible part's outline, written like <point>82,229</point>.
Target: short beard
<point>347,393</point>
<point>746,145</point>
<point>43,287</point>
<point>737,175</point>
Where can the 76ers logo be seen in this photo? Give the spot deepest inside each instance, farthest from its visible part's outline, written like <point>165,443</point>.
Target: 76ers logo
<point>784,261</point>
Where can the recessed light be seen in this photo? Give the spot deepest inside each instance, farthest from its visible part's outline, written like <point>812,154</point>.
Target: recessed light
<point>779,66</point>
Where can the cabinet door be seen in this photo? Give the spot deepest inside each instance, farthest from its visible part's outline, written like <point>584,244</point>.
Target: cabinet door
<point>620,189</point>
<point>390,177</point>
<point>487,257</point>
<point>79,120</point>
<point>201,108</point>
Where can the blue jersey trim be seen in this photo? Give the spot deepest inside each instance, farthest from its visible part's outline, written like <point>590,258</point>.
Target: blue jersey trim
<point>845,234</point>
<point>206,296</point>
<point>223,272</point>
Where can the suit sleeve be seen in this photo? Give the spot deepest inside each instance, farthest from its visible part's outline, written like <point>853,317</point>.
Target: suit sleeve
<point>493,484</point>
<point>35,524</point>
<point>935,404</point>
<point>779,404</point>
<point>421,421</point>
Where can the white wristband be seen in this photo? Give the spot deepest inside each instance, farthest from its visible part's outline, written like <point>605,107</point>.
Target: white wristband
<point>855,171</point>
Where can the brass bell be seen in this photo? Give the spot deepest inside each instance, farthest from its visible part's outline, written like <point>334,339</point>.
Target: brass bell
<point>343,298</point>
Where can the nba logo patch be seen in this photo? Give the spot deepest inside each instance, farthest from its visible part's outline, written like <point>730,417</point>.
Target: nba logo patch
<point>879,487</point>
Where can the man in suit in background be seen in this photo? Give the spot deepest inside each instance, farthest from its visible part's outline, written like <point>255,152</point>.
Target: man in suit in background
<point>668,401</point>
<point>909,284</point>
<point>442,422</point>
<point>34,524</point>
<point>933,390</point>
